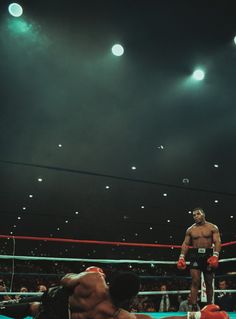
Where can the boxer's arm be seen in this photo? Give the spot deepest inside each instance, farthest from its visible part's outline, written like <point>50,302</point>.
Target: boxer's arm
<point>71,280</point>
<point>181,264</point>
<point>87,280</point>
<point>186,243</point>
<point>213,261</point>
<point>216,239</point>
<point>90,290</point>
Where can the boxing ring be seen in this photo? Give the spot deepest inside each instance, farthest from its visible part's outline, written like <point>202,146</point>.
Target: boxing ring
<point>103,263</point>
<point>156,315</point>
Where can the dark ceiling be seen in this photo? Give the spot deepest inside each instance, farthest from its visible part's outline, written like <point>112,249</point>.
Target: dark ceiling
<point>60,84</point>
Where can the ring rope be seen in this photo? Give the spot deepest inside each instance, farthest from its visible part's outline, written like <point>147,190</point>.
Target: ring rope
<point>226,260</point>
<point>114,243</point>
<point>141,293</point>
<point>140,276</point>
<point>10,293</point>
<point>103,261</point>
<point>172,292</point>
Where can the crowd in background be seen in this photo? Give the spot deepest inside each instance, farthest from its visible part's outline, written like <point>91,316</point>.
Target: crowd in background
<point>29,277</point>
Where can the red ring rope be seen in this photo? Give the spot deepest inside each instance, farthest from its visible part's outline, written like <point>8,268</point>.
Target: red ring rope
<point>114,243</point>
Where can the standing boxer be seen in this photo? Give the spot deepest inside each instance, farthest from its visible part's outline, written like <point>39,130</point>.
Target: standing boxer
<point>206,242</point>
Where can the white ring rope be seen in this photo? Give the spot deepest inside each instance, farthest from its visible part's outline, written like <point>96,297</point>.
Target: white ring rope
<point>173,292</point>
<point>227,260</point>
<point>141,293</point>
<point>104,261</point>
<point>21,293</point>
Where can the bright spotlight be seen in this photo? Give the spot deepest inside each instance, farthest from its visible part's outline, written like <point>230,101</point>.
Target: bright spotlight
<point>198,75</point>
<point>15,10</point>
<point>117,50</point>
<point>235,40</point>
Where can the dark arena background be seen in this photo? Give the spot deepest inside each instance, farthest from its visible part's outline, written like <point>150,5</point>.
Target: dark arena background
<point>117,119</point>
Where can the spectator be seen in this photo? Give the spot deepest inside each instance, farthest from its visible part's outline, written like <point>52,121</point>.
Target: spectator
<point>186,305</point>
<point>42,288</point>
<point>165,300</point>
<point>224,299</point>
<point>3,288</point>
<point>20,297</point>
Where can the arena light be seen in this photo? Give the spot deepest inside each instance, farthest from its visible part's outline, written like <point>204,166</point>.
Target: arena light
<point>235,40</point>
<point>117,50</point>
<point>185,180</point>
<point>198,75</point>
<point>15,10</point>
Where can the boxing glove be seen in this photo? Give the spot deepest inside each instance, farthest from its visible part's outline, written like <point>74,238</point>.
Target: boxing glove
<point>208,312</point>
<point>181,265</point>
<point>213,261</point>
